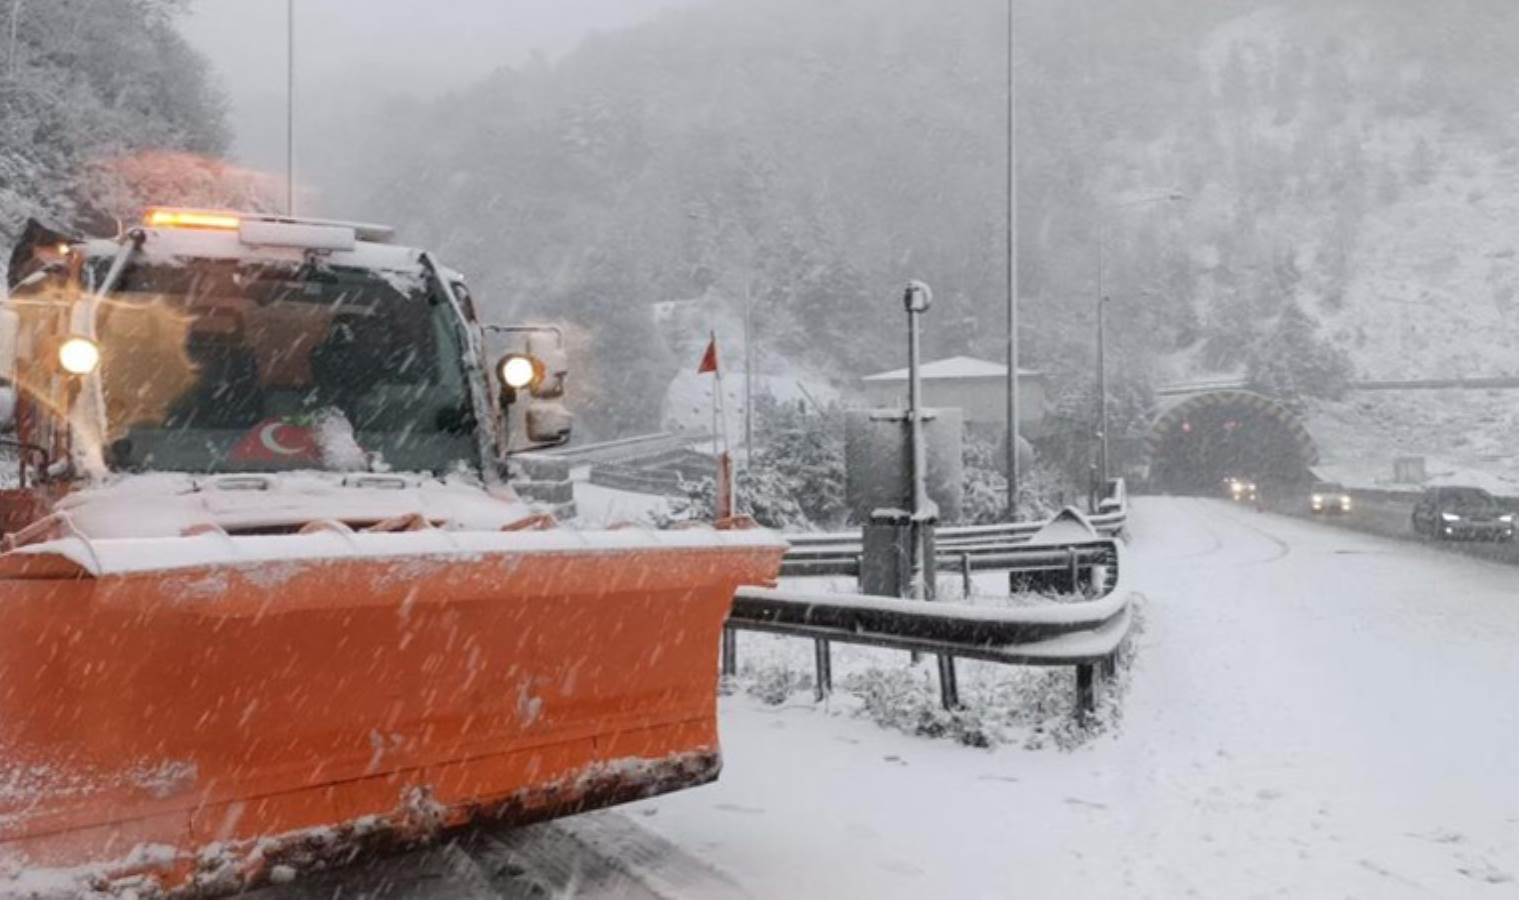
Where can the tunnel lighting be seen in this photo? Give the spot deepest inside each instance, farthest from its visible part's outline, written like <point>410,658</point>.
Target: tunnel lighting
<point>191,218</point>
<point>79,356</point>
<point>518,371</point>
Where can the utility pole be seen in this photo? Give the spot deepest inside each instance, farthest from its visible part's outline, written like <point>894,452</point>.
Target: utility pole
<point>748,374</point>
<point>917,299</point>
<point>1102,352</point>
<point>290,107</point>
<point>1013,402</point>
<point>1102,389</point>
<point>1102,302</point>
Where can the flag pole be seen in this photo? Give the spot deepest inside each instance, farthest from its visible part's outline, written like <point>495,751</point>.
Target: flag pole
<point>721,450</point>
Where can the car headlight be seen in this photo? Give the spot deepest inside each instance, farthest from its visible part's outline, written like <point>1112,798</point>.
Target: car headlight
<point>1344,503</point>
<point>1450,517</point>
<point>1317,500</point>
<point>1507,518</point>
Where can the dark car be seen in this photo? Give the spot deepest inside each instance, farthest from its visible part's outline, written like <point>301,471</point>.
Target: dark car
<point>1328,498</point>
<point>1462,513</point>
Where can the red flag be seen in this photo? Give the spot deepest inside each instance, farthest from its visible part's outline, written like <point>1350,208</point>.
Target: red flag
<point>709,359</point>
<point>276,439</point>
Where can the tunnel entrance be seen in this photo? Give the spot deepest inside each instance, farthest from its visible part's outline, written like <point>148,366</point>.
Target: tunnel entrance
<point>1229,434</point>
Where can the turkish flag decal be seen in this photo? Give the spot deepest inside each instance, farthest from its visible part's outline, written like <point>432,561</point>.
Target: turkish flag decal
<point>275,440</point>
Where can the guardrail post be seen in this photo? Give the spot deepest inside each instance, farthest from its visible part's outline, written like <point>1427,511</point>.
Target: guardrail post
<point>949,683</point>
<point>730,651</point>
<point>965,575</point>
<point>1075,569</point>
<point>822,654</point>
<point>1086,691</point>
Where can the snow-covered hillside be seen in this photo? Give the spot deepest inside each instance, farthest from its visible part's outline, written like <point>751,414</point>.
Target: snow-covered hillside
<point>1382,201</point>
<point>1434,289</point>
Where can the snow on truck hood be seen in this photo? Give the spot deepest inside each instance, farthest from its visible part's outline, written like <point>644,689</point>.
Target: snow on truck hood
<point>148,523</point>
<point>148,506</point>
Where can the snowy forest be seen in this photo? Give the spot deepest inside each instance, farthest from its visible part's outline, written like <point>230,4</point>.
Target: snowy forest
<point>1226,162</point>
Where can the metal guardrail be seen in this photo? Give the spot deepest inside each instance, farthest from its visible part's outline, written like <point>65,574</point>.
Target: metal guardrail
<point>637,480</point>
<point>626,449</point>
<point>839,553</point>
<point>1086,634</point>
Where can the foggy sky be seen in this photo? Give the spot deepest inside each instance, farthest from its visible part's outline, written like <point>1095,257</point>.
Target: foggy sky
<point>362,50</point>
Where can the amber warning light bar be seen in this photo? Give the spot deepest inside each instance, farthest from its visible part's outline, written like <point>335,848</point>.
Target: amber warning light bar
<point>192,218</point>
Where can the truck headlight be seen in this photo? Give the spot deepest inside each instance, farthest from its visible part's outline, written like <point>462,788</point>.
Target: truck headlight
<point>1450,517</point>
<point>79,356</point>
<point>517,371</point>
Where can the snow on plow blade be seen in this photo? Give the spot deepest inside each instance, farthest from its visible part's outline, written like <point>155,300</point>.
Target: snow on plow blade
<point>196,711</point>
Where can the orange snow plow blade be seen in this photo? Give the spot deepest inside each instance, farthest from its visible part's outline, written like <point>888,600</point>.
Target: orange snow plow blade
<point>255,702</point>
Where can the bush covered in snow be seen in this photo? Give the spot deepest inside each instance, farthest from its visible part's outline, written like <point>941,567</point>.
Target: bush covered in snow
<point>795,479</point>
<point>1042,490</point>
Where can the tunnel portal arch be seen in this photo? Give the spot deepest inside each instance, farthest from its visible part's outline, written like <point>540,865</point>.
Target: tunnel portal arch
<point>1207,437</point>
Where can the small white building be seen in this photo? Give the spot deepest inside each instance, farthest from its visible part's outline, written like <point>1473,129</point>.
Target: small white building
<point>976,386</point>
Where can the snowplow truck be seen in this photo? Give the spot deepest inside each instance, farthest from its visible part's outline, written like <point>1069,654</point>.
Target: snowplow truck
<point>267,599</point>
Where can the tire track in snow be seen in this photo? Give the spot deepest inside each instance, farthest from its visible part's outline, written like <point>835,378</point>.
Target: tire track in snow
<point>1282,548</point>
<point>596,855</point>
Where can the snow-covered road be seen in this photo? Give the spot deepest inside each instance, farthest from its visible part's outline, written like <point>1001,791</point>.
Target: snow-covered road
<point>1313,713</point>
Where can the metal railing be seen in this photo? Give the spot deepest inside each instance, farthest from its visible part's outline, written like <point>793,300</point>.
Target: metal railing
<point>626,450</point>
<point>977,547</point>
<point>1085,634</point>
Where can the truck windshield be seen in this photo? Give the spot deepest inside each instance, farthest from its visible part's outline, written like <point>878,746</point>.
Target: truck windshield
<point>235,367</point>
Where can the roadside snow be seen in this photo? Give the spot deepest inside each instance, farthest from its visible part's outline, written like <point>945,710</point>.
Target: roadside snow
<point>1466,437</point>
<point>1313,713</point>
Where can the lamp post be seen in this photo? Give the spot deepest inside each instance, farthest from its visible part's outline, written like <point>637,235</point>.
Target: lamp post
<point>1103,467</point>
<point>290,108</point>
<point>1013,402</point>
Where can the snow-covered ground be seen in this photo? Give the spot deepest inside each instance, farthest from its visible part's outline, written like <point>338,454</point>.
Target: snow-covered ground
<point>1313,713</point>
<point>1466,437</point>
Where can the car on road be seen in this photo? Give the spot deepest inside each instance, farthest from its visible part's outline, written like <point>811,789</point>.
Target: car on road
<point>1240,490</point>
<point>1462,513</point>
<point>1328,498</point>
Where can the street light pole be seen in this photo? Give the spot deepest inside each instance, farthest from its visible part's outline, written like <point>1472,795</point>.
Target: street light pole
<point>1102,350</point>
<point>748,375</point>
<point>1102,389</point>
<point>290,108</point>
<point>1013,401</point>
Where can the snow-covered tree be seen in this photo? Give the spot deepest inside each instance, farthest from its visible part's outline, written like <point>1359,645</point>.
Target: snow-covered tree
<point>88,92</point>
<point>1293,362</point>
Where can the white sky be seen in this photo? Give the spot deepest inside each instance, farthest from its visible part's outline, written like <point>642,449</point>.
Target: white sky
<point>378,47</point>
